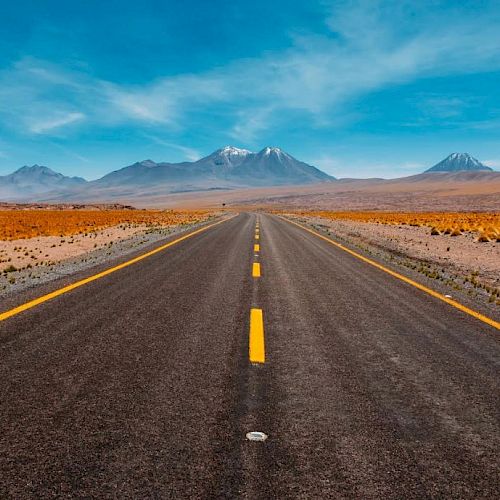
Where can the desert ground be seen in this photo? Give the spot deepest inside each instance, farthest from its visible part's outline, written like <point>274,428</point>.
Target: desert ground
<point>40,244</point>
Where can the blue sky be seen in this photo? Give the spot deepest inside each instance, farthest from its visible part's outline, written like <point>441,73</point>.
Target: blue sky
<point>358,88</point>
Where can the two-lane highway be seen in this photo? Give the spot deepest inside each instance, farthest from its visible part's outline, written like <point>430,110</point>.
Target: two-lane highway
<point>141,384</point>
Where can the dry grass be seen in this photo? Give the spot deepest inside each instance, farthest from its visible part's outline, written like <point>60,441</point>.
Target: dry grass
<point>16,224</point>
<point>485,224</point>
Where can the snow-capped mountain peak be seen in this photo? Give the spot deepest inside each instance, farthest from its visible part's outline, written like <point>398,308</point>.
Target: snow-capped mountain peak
<point>232,151</point>
<point>269,150</point>
<point>458,162</point>
<point>228,156</point>
<point>466,157</point>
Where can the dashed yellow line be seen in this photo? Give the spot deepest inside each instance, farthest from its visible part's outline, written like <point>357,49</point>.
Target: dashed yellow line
<point>256,247</point>
<point>256,270</point>
<point>256,236</point>
<point>77,284</point>
<point>433,293</point>
<point>257,351</point>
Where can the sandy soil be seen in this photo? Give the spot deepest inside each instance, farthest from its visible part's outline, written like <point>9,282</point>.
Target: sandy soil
<point>461,261</point>
<point>50,257</point>
<point>50,249</point>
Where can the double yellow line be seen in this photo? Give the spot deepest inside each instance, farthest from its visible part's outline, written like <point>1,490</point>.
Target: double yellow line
<point>256,345</point>
<point>78,284</point>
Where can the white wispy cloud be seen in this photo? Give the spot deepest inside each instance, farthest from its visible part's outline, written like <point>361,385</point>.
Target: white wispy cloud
<point>44,125</point>
<point>189,153</point>
<point>166,100</point>
<point>249,123</point>
<point>370,46</point>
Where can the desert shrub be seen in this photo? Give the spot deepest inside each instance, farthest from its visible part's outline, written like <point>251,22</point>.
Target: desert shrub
<point>18,224</point>
<point>454,223</point>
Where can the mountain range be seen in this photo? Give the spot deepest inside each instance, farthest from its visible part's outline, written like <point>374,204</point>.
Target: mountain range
<point>225,169</point>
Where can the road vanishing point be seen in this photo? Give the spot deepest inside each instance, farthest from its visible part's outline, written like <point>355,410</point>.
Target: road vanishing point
<point>250,358</point>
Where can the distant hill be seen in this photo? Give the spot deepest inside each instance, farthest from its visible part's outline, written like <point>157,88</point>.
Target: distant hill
<point>29,182</point>
<point>458,162</point>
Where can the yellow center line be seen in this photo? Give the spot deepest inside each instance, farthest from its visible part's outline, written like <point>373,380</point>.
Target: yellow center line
<point>256,236</point>
<point>256,270</point>
<point>256,247</point>
<point>257,352</point>
<point>433,293</point>
<point>77,284</point>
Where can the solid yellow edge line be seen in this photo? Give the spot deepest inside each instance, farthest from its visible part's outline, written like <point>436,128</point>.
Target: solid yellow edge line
<point>256,270</point>
<point>437,295</point>
<point>257,352</point>
<point>256,247</point>
<point>77,284</point>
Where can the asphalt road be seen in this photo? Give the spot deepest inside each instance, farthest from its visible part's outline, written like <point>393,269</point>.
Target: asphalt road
<point>139,384</point>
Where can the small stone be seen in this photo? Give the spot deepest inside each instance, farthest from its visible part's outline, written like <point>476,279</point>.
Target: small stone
<point>256,436</point>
